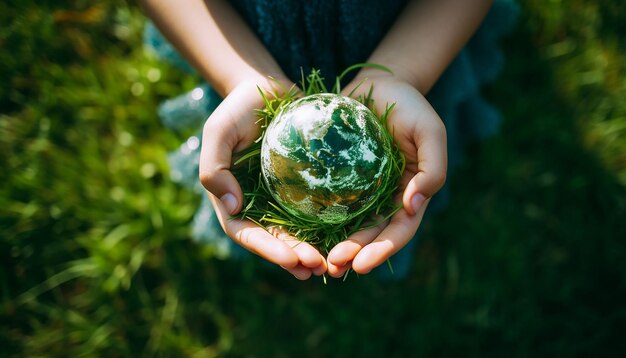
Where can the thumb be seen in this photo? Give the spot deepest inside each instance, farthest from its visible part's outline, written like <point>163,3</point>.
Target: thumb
<point>223,185</point>
<point>430,167</point>
<point>215,162</point>
<point>421,188</point>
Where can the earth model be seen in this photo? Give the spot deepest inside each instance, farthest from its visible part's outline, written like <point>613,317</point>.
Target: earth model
<point>324,158</point>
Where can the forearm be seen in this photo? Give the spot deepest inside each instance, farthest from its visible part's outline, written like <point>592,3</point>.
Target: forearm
<point>215,40</point>
<point>426,38</point>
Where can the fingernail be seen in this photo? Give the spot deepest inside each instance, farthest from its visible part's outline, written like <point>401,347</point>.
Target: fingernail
<point>416,202</point>
<point>229,202</point>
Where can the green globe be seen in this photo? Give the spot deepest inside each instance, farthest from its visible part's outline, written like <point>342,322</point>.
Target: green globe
<point>324,158</point>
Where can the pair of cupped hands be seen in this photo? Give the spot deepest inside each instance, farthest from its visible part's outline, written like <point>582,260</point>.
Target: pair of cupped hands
<point>417,130</point>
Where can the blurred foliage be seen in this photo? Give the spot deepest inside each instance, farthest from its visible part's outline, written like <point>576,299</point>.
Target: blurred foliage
<point>584,43</point>
<point>95,254</point>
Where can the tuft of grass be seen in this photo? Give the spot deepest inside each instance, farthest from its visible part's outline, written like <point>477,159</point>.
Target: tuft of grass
<point>262,209</point>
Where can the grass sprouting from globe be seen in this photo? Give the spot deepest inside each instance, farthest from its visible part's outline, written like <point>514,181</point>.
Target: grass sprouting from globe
<point>324,167</point>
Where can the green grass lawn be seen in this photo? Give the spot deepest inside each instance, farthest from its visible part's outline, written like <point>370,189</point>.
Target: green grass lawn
<point>529,259</point>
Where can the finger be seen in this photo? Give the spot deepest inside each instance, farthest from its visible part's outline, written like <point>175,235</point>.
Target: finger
<point>255,239</point>
<point>394,237</point>
<point>309,257</point>
<point>300,272</point>
<point>321,269</point>
<point>345,251</point>
<point>307,254</point>
<point>338,271</point>
<point>432,162</point>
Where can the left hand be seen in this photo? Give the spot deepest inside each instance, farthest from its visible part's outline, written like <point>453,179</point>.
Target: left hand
<point>232,127</point>
<point>421,136</point>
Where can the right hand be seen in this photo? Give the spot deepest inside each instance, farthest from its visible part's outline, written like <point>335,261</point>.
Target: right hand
<point>231,128</point>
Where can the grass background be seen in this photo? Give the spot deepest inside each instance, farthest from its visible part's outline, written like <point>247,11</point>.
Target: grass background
<point>95,253</point>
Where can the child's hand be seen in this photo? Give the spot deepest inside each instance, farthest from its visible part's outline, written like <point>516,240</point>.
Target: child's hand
<point>421,136</point>
<point>230,129</point>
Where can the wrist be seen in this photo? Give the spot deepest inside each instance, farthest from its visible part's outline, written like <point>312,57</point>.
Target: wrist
<point>270,81</point>
<point>397,74</point>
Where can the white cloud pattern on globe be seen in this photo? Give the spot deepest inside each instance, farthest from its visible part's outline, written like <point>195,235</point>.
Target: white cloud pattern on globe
<point>324,157</point>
